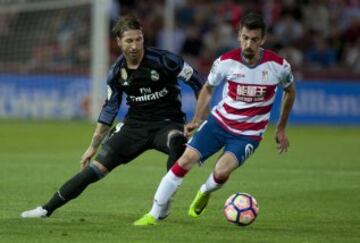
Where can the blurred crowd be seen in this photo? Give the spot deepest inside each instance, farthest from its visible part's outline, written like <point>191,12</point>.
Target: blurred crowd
<point>45,40</point>
<point>320,38</point>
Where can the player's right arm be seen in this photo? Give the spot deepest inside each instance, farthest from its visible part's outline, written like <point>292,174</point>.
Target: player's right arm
<point>106,118</point>
<point>202,109</point>
<point>216,76</point>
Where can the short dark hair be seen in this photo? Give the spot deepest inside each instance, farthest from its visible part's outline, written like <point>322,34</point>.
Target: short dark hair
<point>253,21</point>
<point>127,22</point>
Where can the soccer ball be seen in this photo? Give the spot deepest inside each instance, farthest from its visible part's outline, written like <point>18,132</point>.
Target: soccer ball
<point>241,209</point>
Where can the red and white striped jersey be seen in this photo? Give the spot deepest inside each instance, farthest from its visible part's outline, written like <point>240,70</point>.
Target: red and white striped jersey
<point>249,91</point>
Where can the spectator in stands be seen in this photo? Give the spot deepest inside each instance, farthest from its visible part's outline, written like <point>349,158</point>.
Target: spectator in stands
<point>352,56</point>
<point>321,54</point>
<point>193,42</point>
<point>294,56</point>
<point>316,17</point>
<point>288,30</point>
<point>352,33</point>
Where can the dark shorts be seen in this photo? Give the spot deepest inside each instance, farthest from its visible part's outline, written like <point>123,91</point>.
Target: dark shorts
<point>211,137</point>
<point>127,141</point>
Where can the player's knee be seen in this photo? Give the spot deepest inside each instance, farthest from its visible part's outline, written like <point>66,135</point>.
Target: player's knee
<point>188,159</point>
<point>109,159</point>
<point>222,174</point>
<point>176,146</point>
<point>225,166</point>
<point>77,184</point>
<point>99,169</point>
<point>176,142</point>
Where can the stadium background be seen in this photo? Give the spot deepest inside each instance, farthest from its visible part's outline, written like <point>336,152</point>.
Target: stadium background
<point>54,56</point>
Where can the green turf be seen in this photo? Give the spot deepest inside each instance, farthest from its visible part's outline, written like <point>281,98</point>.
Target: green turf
<point>310,194</point>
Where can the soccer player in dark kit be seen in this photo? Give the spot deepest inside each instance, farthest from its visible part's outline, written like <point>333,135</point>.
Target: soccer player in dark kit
<point>154,120</point>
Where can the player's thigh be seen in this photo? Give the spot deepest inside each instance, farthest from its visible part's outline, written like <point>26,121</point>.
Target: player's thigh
<point>167,131</point>
<point>123,145</point>
<point>207,140</point>
<point>241,148</point>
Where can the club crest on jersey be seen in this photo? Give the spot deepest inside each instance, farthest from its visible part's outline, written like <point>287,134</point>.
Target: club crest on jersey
<point>264,75</point>
<point>154,75</point>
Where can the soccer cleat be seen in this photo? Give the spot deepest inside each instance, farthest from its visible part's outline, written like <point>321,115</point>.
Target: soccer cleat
<point>199,204</point>
<point>146,220</point>
<point>38,212</point>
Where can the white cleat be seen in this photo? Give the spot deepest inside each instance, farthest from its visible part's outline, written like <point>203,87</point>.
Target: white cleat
<point>38,212</point>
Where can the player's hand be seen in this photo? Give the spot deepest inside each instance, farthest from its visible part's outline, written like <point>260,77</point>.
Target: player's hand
<point>190,128</point>
<point>281,140</point>
<point>86,157</point>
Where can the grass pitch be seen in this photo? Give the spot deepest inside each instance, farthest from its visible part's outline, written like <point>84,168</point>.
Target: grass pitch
<point>310,194</point>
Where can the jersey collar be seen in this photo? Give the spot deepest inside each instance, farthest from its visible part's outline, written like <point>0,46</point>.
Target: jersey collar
<point>243,60</point>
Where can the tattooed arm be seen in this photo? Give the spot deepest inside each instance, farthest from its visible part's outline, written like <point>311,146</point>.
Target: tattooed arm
<point>99,134</point>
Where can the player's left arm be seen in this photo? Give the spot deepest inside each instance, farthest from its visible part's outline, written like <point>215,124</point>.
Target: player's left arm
<point>177,67</point>
<point>287,103</point>
<point>192,78</point>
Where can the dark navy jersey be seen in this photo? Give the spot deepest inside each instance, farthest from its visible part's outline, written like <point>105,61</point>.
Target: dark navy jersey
<point>152,90</point>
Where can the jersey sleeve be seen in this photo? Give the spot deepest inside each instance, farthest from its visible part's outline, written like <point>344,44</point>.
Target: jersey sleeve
<point>176,66</point>
<point>286,75</point>
<point>172,64</point>
<point>112,103</point>
<point>216,75</point>
<point>191,77</point>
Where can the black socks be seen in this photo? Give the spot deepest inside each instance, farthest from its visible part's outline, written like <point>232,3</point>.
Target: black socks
<point>72,188</point>
<point>176,149</point>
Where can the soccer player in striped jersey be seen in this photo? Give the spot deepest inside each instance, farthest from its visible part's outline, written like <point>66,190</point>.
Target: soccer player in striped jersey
<point>251,76</point>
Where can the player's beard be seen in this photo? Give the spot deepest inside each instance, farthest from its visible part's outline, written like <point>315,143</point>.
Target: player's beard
<point>134,56</point>
<point>248,54</point>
